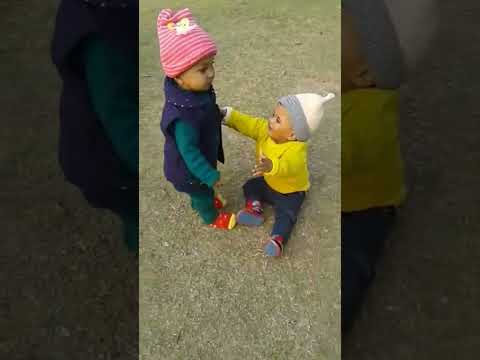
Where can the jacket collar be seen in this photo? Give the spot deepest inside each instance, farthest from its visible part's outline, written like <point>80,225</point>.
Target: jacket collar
<point>186,99</point>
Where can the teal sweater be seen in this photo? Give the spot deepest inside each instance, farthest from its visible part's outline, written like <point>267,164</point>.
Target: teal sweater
<point>187,142</point>
<point>115,101</point>
<point>114,98</point>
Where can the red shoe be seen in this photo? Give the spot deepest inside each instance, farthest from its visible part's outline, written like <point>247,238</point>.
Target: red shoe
<point>225,221</point>
<point>252,214</point>
<point>219,202</point>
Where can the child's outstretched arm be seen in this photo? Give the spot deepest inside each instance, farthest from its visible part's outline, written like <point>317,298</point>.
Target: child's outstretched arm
<point>245,124</point>
<point>187,142</point>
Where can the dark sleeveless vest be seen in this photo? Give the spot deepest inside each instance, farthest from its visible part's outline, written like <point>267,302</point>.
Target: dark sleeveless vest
<point>201,112</point>
<point>86,155</point>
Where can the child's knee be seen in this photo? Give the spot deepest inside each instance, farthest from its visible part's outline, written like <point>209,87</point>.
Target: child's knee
<point>254,186</point>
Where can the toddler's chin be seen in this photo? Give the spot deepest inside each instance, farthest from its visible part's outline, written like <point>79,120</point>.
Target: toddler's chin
<point>202,89</point>
<point>206,87</point>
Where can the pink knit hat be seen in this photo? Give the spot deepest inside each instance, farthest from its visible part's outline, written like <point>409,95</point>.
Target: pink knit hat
<point>182,42</point>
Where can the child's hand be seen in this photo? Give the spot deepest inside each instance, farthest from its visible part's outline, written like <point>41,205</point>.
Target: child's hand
<point>224,114</point>
<point>218,184</point>
<point>223,111</point>
<point>265,165</point>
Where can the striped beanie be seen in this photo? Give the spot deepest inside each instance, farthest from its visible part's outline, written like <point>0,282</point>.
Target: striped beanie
<point>182,41</point>
<point>305,112</point>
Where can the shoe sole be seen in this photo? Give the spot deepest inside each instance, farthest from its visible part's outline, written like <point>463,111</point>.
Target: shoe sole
<point>232,222</point>
<point>245,218</point>
<point>272,249</point>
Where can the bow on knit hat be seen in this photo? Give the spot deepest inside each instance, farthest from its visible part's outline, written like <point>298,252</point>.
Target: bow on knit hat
<point>182,41</point>
<point>305,112</point>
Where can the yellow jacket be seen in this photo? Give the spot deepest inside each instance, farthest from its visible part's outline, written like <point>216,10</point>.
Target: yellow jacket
<point>289,173</point>
<point>372,166</point>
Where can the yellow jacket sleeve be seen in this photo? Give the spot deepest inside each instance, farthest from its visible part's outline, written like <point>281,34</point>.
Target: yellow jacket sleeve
<point>247,125</point>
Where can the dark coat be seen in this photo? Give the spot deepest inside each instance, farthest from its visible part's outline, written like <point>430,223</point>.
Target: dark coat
<point>201,112</point>
<point>86,155</point>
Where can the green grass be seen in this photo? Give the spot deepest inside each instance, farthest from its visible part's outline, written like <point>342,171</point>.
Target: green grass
<point>207,294</point>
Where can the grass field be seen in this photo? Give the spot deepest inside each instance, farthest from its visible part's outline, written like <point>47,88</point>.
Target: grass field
<point>208,294</point>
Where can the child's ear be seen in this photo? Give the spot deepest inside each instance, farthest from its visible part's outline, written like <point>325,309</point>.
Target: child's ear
<point>292,136</point>
<point>363,78</point>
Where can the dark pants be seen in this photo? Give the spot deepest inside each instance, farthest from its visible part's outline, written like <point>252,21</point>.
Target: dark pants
<point>363,237</point>
<point>286,206</point>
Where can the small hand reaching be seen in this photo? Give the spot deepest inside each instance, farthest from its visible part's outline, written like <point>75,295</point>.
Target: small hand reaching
<point>217,184</point>
<point>223,112</point>
<point>265,165</point>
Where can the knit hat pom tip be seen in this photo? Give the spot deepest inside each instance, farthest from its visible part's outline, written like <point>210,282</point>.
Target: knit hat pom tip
<point>167,16</point>
<point>328,97</point>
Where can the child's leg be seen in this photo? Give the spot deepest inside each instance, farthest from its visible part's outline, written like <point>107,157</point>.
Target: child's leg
<point>363,237</point>
<point>203,203</point>
<point>254,191</point>
<point>286,209</point>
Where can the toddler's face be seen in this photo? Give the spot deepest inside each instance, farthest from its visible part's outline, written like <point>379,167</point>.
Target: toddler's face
<point>199,77</point>
<point>279,127</point>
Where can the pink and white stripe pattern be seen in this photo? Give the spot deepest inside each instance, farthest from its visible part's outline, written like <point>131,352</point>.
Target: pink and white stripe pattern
<point>182,41</point>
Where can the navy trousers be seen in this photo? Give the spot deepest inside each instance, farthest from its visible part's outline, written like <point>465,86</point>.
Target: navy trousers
<point>286,206</point>
<point>363,237</point>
